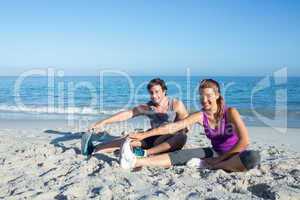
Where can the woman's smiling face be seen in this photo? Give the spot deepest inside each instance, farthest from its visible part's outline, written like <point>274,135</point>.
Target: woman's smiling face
<point>208,98</point>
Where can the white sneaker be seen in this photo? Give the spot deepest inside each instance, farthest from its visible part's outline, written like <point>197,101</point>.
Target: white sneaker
<point>196,163</point>
<point>126,164</point>
<point>127,157</point>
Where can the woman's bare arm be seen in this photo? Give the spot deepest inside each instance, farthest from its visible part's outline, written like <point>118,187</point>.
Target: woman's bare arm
<point>170,128</point>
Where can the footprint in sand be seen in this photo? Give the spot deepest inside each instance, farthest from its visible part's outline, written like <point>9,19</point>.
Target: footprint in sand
<point>193,196</point>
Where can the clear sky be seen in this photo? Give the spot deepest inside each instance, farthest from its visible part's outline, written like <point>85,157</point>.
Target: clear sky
<point>245,37</point>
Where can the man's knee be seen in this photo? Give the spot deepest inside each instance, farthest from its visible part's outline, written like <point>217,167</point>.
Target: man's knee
<point>161,139</point>
<point>178,141</point>
<point>182,137</point>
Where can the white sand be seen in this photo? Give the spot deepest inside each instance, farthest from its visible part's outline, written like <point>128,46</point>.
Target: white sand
<point>35,164</point>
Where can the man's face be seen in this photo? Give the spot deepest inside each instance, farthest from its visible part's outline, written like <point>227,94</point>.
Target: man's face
<point>157,94</point>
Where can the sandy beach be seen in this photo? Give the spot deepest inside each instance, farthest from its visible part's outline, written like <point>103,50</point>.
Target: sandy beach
<point>123,67</point>
<point>41,159</point>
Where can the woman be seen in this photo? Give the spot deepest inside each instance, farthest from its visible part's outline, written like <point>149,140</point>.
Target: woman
<point>222,125</point>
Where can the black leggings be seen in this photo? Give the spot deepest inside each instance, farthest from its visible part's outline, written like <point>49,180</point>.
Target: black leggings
<point>249,158</point>
<point>179,140</point>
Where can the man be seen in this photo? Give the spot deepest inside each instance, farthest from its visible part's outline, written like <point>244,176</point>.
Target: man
<point>160,110</point>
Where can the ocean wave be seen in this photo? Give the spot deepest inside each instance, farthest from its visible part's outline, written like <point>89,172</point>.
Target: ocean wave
<point>57,110</point>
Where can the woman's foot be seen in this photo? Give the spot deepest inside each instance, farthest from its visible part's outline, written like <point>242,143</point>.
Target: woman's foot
<point>127,157</point>
<point>140,152</point>
<point>197,163</point>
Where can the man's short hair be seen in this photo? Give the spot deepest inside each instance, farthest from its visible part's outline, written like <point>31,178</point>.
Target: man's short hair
<point>157,81</point>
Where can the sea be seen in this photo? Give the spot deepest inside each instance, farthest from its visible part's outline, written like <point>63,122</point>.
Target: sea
<point>261,100</point>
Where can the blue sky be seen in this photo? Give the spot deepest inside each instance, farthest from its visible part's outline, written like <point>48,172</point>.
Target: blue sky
<point>151,37</point>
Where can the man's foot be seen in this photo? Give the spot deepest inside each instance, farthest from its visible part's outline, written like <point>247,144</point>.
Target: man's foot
<point>127,158</point>
<point>87,147</point>
<point>100,136</point>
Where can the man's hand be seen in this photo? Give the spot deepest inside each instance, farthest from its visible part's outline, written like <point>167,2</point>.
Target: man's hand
<point>96,127</point>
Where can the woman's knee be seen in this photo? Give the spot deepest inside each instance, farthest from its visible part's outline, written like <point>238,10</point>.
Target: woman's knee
<point>250,158</point>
